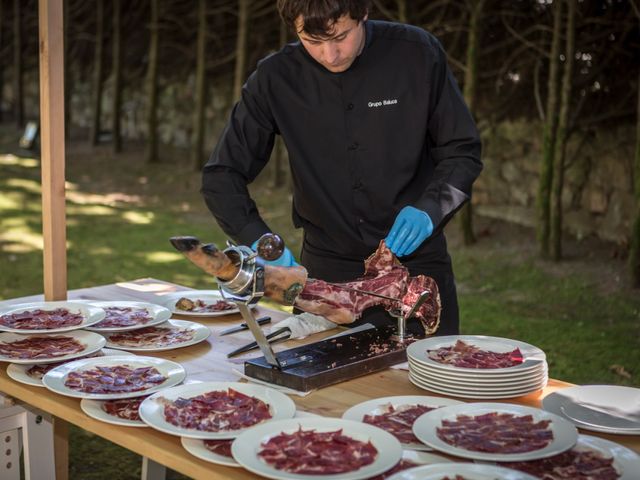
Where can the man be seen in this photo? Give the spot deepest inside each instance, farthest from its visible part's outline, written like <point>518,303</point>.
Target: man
<point>380,142</point>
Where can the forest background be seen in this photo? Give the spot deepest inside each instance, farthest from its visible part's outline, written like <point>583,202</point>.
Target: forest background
<point>548,253</point>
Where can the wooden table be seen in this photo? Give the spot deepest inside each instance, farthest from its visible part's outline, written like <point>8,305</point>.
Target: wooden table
<point>207,361</point>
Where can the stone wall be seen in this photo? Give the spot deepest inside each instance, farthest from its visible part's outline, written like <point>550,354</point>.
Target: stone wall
<point>598,194</point>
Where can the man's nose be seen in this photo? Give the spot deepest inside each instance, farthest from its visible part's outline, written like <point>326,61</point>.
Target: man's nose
<point>331,52</point>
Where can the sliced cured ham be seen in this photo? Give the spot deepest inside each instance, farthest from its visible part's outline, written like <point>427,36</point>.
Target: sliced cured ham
<point>221,447</point>
<point>496,433</point>
<point>317,453</point>
<point>114,379</point>
<point>123,317</point>
<point>469,356</point>
<point>152,336</point>
<point>41,347</point>
<point>126,408</point>
<point>575,464</point>
<point>215,411</point>
<point>398,421</point>
<point>41,319</point>
<point>200,306</point>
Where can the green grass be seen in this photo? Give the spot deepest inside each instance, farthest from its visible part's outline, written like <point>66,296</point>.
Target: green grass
<point>120,214</point>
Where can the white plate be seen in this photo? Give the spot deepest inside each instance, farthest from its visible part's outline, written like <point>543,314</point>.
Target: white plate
<point>157,313</point>
<point>19,372</point>
<point>479,379</point>
<point>210,296</point>
<point>377,407</point>
<point>90,315</point>
<point>197,448</point>
<point>245,448</point>
<point>93,408</point>
<point>625,460</point>
<point>470,471</point>
<point>600,408</point>
<point>152,410</point>
<point>54,379</point>
<point>474,395</point>
<point>532,356</point>
<point>565,434</point>
<point>92,343</point>
<point>474,387</point>
<point>201,333</point>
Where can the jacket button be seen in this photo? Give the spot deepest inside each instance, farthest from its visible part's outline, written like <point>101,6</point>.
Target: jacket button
<point>357,185</point>
<point>354,146</point>
<point>350,106</point>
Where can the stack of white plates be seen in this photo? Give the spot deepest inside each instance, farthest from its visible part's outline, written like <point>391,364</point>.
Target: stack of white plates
<point>600,408</point>
<point>478,383</point>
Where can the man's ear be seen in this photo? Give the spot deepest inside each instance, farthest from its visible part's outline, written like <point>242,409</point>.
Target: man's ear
<point>366,16</point>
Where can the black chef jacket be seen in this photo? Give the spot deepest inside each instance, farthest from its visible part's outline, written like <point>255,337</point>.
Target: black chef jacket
<point>392,130</point>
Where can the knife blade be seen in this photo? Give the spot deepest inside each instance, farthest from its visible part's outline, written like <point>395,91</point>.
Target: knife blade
<point>364,292</point>
<point>244,326</point>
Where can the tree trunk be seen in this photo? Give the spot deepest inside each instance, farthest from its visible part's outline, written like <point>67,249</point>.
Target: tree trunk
<point>241,48</point>
<point>470,83</point>
<point>279,177</point>
<point>402,11</point>
<point>543,200</point>
<point>67,70</point>
<point>562,136</point>
<point>200,94</point>
<point>18,102</point>
<point>116,71</point>
<point>2,66</point>
<point>151,154</point>
<point>634,252</point>
<point>97,74</point>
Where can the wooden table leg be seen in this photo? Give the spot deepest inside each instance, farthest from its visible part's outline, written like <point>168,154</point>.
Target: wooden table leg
<point>61,448</point>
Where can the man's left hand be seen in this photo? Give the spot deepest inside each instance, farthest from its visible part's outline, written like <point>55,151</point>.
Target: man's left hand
<point>410,229</point>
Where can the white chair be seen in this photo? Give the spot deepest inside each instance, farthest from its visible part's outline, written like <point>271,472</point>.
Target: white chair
<point>23,427</point>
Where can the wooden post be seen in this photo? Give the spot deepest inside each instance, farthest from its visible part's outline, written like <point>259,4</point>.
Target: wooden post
<point>52,158</point>
<point>53,154</point>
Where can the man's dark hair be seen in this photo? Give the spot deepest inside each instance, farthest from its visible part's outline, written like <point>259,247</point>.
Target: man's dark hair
<point>320,15</point>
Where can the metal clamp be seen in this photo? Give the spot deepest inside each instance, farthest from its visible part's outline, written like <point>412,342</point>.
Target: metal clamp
<point>246,289</point>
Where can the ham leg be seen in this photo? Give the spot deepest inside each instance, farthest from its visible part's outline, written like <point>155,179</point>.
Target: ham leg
<point>290,286</point>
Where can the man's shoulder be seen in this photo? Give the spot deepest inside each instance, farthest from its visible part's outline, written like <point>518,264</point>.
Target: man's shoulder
<point>401,33</point>
<point>286,56</point>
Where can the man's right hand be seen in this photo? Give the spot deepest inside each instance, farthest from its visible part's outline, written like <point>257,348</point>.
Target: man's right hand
<point>285,260</point>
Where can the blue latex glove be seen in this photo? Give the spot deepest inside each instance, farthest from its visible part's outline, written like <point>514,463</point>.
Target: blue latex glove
<point>410,229</point>
<point>285,260</point>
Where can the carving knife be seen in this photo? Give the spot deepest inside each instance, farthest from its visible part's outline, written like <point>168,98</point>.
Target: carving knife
<point>364,292</point>
<point>244,326</point>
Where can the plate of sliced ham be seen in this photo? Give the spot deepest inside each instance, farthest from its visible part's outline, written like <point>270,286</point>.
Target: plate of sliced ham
<point>32,374</point>
<point>214,410</point>
<point>396,415</point>
<point>49,317</point>
<point>495,431</point>
<point>198,303</point>
<point>464,471</point>
<point>123,411</point>
<point>114,377</point>
<point>306,448</point>
<point>40,348</point>
<point>166,336</point>
<point>219,451</point>
<point>590,458</point>
<point>475,353</point>
<point>121,316</point>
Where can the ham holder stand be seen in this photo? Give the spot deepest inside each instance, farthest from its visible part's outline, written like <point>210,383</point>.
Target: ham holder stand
<point>317,364</point>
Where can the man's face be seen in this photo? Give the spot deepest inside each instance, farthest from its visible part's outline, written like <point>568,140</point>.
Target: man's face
<point>338,50</point>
